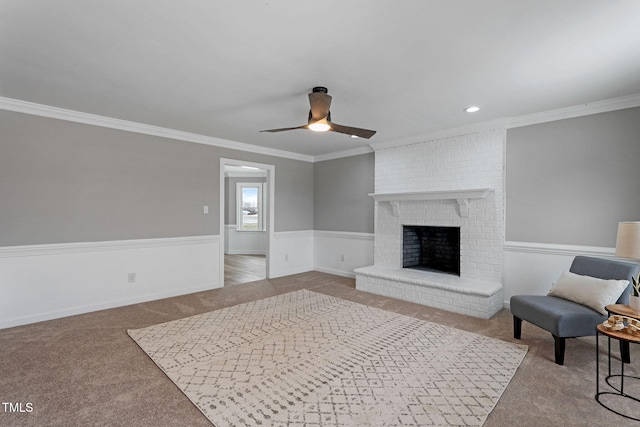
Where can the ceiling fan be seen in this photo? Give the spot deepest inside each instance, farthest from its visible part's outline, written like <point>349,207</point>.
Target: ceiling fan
<point>320,117</point>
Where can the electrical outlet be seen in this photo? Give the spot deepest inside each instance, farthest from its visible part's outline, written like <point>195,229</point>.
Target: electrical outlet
<point>206,209</point>
<point>132,277</point>
<point>342,258</point>
<point>286,257</point>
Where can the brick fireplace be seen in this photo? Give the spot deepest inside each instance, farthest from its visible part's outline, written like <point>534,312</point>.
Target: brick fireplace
<point>451,183</point>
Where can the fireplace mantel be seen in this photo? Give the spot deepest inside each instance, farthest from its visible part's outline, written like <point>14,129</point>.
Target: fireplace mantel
<point>461,196</point>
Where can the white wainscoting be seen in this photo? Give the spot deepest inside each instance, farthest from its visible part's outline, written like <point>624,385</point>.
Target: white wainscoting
<point>531,268</point>
<point>338,252</point>
<point>333,252</point>
<point>291,253</point>
<point>244,242</point>
<point>43,282</point>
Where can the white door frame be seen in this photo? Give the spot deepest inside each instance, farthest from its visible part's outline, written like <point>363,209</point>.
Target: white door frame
<point>271,169</point>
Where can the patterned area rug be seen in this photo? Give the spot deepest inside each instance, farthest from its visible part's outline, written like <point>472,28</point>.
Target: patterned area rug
<point>308,359</point>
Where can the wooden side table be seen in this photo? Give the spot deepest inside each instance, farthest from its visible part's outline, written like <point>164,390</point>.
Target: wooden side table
<point>622,337</point>
<point>623,310</point>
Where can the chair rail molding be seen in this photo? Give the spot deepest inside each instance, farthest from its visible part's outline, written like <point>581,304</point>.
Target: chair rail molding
<point>557,249</point>
<point>111,245</point>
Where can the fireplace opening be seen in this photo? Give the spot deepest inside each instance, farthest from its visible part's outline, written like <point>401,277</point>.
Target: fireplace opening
<point>431,248</point>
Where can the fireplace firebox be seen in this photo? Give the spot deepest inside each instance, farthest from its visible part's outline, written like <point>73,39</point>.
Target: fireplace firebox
<point>431,248</point>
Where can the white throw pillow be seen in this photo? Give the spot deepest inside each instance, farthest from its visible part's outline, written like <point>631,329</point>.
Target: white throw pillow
<point>589,291</point>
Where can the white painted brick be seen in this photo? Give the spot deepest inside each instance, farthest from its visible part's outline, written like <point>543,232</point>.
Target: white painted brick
<point>461,162</point>
<point>461,304</point>
<point>444,300</point>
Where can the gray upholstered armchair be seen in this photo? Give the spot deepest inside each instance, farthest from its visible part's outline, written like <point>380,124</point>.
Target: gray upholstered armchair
<point>564,318</point>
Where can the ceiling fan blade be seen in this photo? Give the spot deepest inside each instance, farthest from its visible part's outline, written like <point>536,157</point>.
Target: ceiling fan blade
<point>360,133</point>
<point>283,129</point>
<point>320,104</point>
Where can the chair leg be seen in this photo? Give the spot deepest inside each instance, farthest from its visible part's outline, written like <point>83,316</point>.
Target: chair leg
<point>517,327</point>
<point>559,347</point>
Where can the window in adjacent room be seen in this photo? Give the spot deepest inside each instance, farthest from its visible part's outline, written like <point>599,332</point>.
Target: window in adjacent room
<point>249,206</point>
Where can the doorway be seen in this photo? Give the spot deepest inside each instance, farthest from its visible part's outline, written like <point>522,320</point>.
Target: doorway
<point>246,220</point>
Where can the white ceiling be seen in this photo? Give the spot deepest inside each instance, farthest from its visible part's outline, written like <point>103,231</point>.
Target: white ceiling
<point>229,68</point>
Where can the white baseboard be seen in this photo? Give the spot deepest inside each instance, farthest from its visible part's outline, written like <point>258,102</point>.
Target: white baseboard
<point>43,282</point>
<point>72,311</point>
<point>244,252</point>
<point>341,273</point>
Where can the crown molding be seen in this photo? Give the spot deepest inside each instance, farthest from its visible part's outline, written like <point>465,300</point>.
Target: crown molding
<point>32,108</point>
<point>596,107</point>
<point>604,106</point>
<point>442,134</point>
<point>344,153</point>
<point>613,104</point>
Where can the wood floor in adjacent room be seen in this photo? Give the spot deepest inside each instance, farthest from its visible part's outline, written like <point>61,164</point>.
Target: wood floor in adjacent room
<point>244,268</point>
<point>85,370</point>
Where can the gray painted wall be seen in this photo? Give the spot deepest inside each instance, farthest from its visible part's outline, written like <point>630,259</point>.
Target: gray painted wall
<point>341,194</point>
<point>571,181</point>
<point>68,182</point>
<point>568,182</point>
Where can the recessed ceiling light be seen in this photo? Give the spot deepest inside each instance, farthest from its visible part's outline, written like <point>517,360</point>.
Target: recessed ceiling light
<point>355,136</point>
<point>472,109</point>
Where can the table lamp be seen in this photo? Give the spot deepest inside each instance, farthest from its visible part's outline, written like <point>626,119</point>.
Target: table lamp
<point>628,241</point>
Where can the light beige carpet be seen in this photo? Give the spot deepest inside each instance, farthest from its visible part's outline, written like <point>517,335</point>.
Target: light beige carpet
<point>308,359</point>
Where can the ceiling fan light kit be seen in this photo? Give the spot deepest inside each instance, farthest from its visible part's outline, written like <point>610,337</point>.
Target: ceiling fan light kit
<point>320,117</point>
<point>320,126</point>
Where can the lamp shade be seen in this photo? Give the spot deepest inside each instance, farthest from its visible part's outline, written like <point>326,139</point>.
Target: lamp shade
<point>628,241</point>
